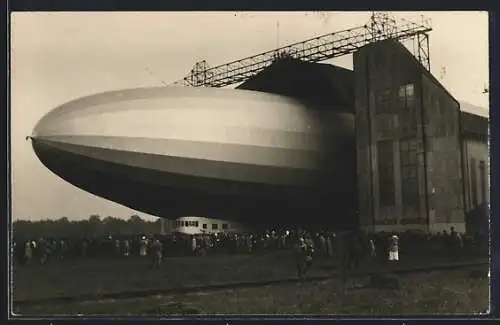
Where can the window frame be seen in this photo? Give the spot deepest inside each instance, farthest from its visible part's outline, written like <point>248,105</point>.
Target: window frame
<point>409,174</point>
<point>386,177</point>
<point>384,102</point>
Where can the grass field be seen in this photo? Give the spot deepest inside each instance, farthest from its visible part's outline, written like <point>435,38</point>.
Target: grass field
<point>443,292</point>
<point>83,277</point>
<point>78,277</point>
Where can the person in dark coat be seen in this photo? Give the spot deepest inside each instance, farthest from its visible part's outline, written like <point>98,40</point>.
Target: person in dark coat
<point>304,255</point>
<point>353,249</point>
<point>157,254</point>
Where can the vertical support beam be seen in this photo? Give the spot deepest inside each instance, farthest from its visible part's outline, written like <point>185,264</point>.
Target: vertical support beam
<point>424,147</point>
<point>420,43</point>
<point>415,52</point>
<point>370,151</point>
<point>464,162</point>
<point>423,50</point>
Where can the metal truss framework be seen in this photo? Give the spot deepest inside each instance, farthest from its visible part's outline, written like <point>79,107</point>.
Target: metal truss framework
<point>380,27</point>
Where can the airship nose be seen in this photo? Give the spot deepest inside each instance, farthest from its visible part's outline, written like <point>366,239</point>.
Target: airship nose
<point>35,132</point>
<point>36,138</point>
<point>47,124</point>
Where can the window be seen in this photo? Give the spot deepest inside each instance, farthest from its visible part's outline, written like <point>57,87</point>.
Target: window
<point>215,226</point>
<point>410,91</point>
<point>408,119</point>
<point>402,92</point>
<point>383,104</point>
<point>406,96</point>
<point>186,223</point>
<point>204,226</point>
<point>224,226</point>
<point>409,181</point>
<point>191,223</point>
<point>385,159</point>
<point>196,224</point>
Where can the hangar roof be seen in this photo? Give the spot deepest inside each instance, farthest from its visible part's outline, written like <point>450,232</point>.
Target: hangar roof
<point>474,126</point>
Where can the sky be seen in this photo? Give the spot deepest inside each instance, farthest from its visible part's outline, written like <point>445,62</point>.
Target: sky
<point>58,57</point>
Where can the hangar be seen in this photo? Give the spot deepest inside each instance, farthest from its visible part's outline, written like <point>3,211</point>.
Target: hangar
<point>422,164</point>
<point>418,155</point>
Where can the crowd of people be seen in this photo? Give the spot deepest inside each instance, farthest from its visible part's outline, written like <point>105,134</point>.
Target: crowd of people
<point>349,246</point>
<point>142,245</point>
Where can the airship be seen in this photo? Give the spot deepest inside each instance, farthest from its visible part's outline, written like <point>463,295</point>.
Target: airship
<point>232,154</point>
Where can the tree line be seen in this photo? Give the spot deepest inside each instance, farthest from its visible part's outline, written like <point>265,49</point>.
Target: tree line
<point>93,226</point>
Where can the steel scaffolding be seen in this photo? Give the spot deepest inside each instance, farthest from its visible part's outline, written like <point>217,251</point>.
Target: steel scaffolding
<point>380,27</point>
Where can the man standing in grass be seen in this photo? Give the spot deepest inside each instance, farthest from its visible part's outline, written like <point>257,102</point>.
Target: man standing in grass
<point>194,245</point>
<point>157,252</point>
<point>43,248</point>
<point>126,247</point>
<point>28,251</point>
<point>304,255</point>
<point>373,250</point>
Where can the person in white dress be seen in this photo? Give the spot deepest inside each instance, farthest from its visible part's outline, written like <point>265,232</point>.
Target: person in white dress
<point>144,246</point>
<point>394,249</point>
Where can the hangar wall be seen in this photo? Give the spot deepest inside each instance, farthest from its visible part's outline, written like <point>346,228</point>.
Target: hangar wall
<point>408,144</point>
<point>445,179</point>
<point>476,172</point>
<point>477,169</point>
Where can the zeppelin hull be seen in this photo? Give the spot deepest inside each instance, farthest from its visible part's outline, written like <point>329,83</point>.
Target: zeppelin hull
<point>232,154</point>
